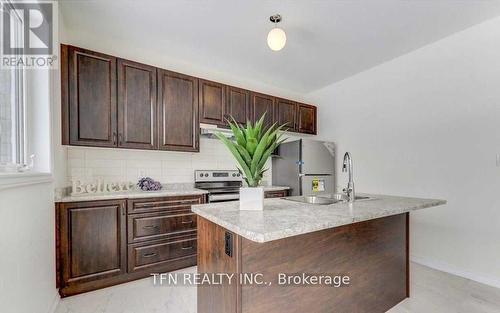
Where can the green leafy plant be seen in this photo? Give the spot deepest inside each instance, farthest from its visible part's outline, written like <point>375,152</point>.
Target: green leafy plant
<point>252,146</point>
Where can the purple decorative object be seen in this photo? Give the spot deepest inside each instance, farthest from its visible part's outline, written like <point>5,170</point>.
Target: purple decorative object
<point>149,184</point>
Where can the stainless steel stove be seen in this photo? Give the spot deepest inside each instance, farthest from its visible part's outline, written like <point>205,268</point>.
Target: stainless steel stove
<point>221,185</point>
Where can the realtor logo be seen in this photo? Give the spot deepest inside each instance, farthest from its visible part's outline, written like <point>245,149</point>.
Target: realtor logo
<point>28,34</point>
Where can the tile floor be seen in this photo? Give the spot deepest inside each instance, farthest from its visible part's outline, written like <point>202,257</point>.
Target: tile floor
<point>431,292</point>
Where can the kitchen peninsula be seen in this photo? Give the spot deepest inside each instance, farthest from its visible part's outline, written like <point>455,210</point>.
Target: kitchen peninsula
<point>367,241</point>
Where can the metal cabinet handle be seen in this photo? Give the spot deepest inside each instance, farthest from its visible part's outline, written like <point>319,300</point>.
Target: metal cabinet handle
<point>146,205</point>
<point>155,227</point>
<point>167,204</point>
<point>188,222</point>
<point>187,248</point>
<point>149,255</point>
<point>114,138</point>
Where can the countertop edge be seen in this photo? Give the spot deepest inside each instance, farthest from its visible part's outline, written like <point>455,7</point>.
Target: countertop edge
<point>271,236</point>
<point>135,195</point>
<point>145,194</point>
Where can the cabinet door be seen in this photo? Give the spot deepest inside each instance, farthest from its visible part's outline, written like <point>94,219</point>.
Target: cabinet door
<point>92,241</point>
<point>286,113</point>
<point>212,97</point>
<point>92,98</point>
<point>261,104</point>
<point>238,104</point>
<point>306,115</point>
<point>136,105</point>
<point>178,111</point>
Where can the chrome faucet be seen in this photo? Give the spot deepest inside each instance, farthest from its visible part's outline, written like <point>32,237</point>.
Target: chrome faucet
<point>347,166</point>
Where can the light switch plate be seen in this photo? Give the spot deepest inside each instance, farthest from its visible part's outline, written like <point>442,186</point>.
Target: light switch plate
<point>498,159</point>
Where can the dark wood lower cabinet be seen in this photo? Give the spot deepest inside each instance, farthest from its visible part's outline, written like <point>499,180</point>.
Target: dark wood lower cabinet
<point>276,193</point>
<point>372,253</point>
<point>100,244</point>
<point>149,226</point>
<point>171,255</point>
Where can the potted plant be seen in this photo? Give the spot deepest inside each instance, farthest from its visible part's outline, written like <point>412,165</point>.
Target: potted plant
<point>251,147</point>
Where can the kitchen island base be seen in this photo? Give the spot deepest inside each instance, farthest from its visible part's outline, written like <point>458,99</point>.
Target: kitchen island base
<point>373,253</point>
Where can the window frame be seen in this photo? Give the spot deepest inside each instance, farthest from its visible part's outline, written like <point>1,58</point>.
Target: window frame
<point>20,116</point>
<point>18,109</point>
<point>21,130</point>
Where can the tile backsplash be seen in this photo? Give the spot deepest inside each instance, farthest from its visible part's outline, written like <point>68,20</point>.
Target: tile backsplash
<point>165,166</point>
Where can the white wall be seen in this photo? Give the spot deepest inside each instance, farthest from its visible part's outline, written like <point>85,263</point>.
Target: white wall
<point>59,152</point>
<point>427,124</point>
<point>166,167</point>
<point>27,245</point>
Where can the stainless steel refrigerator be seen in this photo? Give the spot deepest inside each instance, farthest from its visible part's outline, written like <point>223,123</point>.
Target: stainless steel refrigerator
<point>306,166</point>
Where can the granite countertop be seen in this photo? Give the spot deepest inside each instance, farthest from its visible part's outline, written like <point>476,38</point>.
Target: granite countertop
<point>275,188</point>
<point>168,190</point>
<point>284,218</point>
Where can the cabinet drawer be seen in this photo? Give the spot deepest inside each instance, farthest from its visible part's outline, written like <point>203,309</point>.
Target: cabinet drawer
<point>160,254</point>
<point>174,205</point>
<point>276,194</point>
<point>149,226</point>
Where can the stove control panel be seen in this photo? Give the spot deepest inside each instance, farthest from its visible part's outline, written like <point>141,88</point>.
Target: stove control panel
<point>221,175</point>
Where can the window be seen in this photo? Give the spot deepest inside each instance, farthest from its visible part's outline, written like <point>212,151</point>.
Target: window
<point>12,109</point>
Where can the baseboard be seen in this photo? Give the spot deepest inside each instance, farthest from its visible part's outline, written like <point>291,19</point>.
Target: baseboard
<point>444,267</point>
<point>55,302</point>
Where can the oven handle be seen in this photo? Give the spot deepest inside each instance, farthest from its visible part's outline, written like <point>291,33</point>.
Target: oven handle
<point>223,197</point>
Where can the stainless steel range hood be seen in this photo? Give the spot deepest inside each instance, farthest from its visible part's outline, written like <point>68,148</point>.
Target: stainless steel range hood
<point>208,131</point>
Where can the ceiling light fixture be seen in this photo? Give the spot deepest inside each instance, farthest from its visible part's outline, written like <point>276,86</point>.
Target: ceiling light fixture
<point>276,38</point>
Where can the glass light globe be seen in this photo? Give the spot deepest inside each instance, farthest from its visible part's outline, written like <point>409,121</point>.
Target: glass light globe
<point>276,39</point>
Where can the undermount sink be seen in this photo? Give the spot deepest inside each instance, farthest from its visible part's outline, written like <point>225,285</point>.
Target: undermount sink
<point>343,197</point>
<point>319,200</point>
<point>313,200</point>
<point>326,199</point>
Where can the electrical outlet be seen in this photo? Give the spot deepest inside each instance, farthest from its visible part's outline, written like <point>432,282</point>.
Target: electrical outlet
<point>228,243</point>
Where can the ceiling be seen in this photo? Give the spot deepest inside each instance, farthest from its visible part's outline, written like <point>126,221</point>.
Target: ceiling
<point>327,41</point>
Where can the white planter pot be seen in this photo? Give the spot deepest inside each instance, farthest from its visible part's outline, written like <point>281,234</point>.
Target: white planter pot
<point>252,198</point>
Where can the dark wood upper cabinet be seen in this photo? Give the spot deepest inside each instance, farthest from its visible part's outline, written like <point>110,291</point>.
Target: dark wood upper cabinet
<point>306,115</point>
<point>136,105</point>
<point>92,98</point>
<point>238,104</point>
<point>178,111</point>
<point>260,104</point>
<point>93,241</point>
<point>286,113</point>
<point>112,102</point>
<point>212,102</point>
